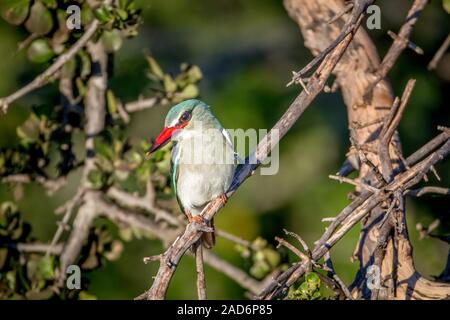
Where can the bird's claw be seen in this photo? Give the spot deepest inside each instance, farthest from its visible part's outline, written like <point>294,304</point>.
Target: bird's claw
<point>198,219</point>
<point>223,198</point>
<point>201,224</point>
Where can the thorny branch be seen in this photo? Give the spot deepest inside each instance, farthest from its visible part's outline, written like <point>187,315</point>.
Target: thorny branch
<point>44,77</point>
<point>400,43</point>
<point>352,214</point>
<point>438,55</point>
<point>382,184</point>
<point>369,203</point>
<point>315,84</point>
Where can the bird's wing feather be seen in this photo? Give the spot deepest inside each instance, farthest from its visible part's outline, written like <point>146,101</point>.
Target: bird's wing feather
<point>174,175</point>
<point>226,134</point>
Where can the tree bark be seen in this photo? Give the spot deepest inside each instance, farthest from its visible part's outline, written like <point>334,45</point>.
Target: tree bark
<point>382,245</point>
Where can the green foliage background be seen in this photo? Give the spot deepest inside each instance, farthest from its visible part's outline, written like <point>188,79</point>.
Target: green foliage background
<point>246,50</point>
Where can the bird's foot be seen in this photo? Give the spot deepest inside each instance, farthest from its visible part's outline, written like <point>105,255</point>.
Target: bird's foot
<point>223,198</point>
<point>198,218</point>
<point>201,223</point>
<point>188,216</point>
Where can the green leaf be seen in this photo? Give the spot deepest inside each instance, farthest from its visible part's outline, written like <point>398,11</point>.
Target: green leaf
<point>190,91</point>
<point>29,130</point>
<point>111,102</point>
<point>103,14</point>
<point>50,3</point>
<point>446,5</point>
<point>260,243</point>
<point>68,69</point>
<point>126,234</point>
<point>45,268</point>
<point>169,85</point>
<point>86,15</point>
<point>103,149</point>
<point>40,51</point>
<point>259,269</point>
<point>124,4</point>
<point>194,74</point>
<point>95,177</point>
<point>81,87</point>
<point>123,15</point>
<point>112,40</point>
<point>11,279</point>
<point>40,21</point>
<point>155,68</point>
<point>84,295</point>
<point>85,64</point>
<point>316,295</point>
<point>8,208</point>
<point>312,277</point>
<point>304,287</point>
<point>15,11</point>
<point>272,257</point>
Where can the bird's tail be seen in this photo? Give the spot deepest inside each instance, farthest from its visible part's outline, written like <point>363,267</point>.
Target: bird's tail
<point>208,239</point>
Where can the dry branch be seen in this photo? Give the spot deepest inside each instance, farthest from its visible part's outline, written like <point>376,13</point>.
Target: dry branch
<point>201,283</point>
<point>351,215</point>
<point>315,85</point>
<point>355,75</point>
<point>438,55</point>
<point>400,43</point>
<point>44,77</point>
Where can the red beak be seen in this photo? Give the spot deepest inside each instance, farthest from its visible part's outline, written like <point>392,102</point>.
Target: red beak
<point>163,138</point>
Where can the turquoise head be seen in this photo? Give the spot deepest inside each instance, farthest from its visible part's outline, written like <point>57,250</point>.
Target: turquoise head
<point>183,116</point>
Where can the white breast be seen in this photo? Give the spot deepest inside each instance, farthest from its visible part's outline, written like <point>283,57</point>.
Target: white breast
<point>206,168</point>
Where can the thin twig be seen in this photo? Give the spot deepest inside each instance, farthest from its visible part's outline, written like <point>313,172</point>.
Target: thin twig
<point>389,127</point>
<point>428,190</point>
<point>44,77</point>
<point>201,284</point>
<point>348,219</point>
<point>397,47</point>
<point>298,253</point>
<point>438,55</point>
<point>353,182</point>
<point>350,26</point>
<point>236,239</point>
<point>300,240</point>
<point>191,234</point>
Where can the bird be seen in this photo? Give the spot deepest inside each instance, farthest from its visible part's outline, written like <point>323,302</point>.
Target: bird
<point>203,160</point>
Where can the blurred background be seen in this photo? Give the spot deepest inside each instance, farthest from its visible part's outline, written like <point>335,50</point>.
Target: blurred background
<point>246,50</point>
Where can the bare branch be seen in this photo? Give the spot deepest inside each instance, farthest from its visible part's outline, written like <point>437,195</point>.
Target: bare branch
<point>191,234</point>
<point>351,26</point>
<point>201,284</point>
<point>44,77</point>
<point>350,216</point>
<point>438,55</point>
<point>388,130</point>
<point>51,185</point>
<point>427,190</point>
<point>140,104</point>
<point>400,43</point>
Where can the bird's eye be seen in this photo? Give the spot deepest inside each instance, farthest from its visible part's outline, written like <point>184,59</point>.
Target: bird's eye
<point>185,117</point>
